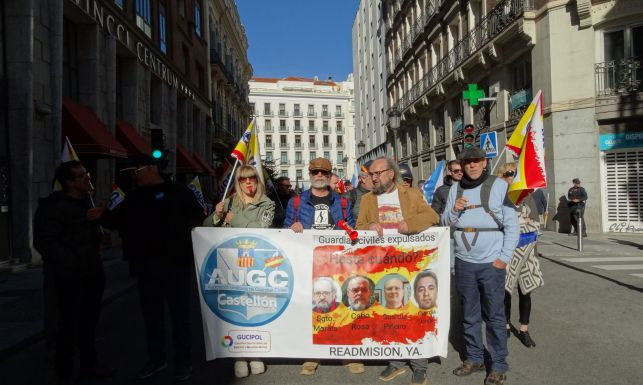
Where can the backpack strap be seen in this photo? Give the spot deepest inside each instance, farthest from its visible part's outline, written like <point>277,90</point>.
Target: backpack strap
<point>485,194</point>
<point>295,204</point>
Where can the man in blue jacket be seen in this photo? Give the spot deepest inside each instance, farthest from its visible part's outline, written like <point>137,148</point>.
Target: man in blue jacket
<point>486,234</point>
<point>318,208</point>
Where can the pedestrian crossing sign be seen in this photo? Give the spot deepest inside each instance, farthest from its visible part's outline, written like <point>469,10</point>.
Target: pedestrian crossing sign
<point>489,144</point>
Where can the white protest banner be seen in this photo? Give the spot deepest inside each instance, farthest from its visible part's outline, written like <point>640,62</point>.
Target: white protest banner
<point>274,293</point>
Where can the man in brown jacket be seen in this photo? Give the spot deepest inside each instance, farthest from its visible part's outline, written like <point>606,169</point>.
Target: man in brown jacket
<point>390,205</point>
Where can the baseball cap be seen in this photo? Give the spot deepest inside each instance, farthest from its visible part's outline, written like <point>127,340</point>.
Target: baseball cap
<point>320,164</point>
<point>405,171</point>
<point>472,153</point>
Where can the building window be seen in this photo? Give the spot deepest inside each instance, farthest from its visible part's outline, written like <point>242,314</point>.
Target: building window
<point>70,60</point>
<point>297,125</point>
<point>298,158</point>
<point>283,140</point>
<point>297,140</point>
<point>312,155</point>
<point>327,154</point>
<point>268,125</point>
<point>340,140</point>
<point>311,140</point>
<point>252,108</point>
<point>284,157</point>
<point>325,111</point>
<point>269,156</point>
<point>197,18</point>
<point>338,111</point>
<point>269,140</point>
<point>284,173</point>
<point>311,125</point>
<point>282,109</point>
<point>311,110</point>
<point>144,16</point>
<point>298,173</point>
<point>266,109</point>
<point>297,112</point>
<point>162,27</point>
<point>326,141</point>
<point>325,126</point>
<point>282,125</point>
<point>339,127</point>
<point>340,157</point>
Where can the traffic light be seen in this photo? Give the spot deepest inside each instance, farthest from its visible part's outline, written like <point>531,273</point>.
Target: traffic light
<point>469,136</point>
<point>158,144</point>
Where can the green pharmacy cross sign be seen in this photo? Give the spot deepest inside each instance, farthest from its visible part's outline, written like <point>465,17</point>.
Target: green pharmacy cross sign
<point>473,94</point>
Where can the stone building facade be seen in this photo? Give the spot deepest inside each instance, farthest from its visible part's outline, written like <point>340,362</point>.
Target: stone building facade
<point>300,119</point>
<point>109,75</point>
<point>584,55</point>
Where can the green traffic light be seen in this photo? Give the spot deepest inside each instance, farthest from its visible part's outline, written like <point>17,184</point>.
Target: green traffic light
<point>157,154</point>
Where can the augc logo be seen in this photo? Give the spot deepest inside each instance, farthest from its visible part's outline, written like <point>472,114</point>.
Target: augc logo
<point>247,281</point>
<point>226,341</point>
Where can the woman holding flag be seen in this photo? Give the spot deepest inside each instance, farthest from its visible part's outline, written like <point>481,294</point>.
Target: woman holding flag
<point>524,269</point>
<point>248,207</point>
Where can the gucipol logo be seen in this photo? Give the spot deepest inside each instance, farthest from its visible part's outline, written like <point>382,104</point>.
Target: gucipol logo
<point>226,341</point>
<point>247,280</point>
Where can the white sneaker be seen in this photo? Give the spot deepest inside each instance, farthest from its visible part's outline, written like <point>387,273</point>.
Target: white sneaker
<point>257,367</point>
<point>241,369</point>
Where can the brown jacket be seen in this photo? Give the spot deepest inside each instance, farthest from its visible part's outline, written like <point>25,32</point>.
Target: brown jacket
<point>418,215</point>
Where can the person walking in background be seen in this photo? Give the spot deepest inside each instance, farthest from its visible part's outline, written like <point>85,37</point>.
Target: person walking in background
<point>454,174</point>
<point>486,235</point>
<point>577,197</point>
<point>281,195</point>
<point>524,269</point>
<point>541,205</point>
<point>365,185</point>
<point>406,175</point>
<point>249,207</point>
<point>155,221</point>
<point>68,236</point>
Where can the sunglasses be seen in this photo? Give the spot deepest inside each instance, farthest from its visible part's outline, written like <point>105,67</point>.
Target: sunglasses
<point>456,171</point>
<point>247,178</point>
<point>317,172</point>
<point>509,173</point>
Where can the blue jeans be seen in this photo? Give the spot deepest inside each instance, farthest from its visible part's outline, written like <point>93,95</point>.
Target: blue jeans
<point>482,292</point>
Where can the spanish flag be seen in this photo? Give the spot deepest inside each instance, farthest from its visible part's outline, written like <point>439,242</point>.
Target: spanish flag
<point>514,144</point>
<point>530,172</point>
<point>240,152</point>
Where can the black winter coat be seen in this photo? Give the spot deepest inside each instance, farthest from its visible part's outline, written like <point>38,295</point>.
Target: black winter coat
<point>68,242</point>
<point>441,194</point>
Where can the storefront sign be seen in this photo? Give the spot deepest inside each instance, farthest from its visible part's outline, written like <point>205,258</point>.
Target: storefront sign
<point>620,140</point>
<point>120,31</point>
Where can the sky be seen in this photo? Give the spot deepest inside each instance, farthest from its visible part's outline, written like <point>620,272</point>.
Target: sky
<point>299,37</point>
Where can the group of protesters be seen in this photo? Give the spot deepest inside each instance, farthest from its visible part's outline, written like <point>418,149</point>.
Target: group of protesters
<point>156,218</point>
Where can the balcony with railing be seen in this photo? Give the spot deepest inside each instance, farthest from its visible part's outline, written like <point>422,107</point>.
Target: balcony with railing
<point>340,130</point>
<point>311,114</point>
<point>325,114</point>
<point>299,129</point>
<point>518,102</point>
<point>312,129</point>
<point>299,161</point>
<point>495,22</point>
<point>297,114</point>
<point>312,146</point>
<point>339,115</point>
<point>339,146</point>
<point>283,114</point>
<point>326,144</point>
<point>284,146</point>
<point>268,129</point>
<point>283,129</point>
<point>270,146</point>
<point>267,112</point>
<point>618,77</point>
<point>299,145</point>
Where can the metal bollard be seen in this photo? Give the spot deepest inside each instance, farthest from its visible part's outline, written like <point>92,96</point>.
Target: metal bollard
<point>580,231</point>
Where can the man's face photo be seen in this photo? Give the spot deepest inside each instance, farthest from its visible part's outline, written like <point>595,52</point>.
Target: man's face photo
<point>323,295</point>
<point>394,293</point>
<point>426,292</point>
<point>359,293</point>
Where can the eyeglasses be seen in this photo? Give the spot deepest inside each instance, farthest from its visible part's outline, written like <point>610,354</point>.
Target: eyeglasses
<point>247,178</point>
<point>456,171</point>
<point>378,173</point>
<point>323,293</point>
<point>509,173</point>
<point>317,172</point>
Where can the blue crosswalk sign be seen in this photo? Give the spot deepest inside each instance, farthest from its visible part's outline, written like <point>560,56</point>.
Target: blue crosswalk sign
<point>489,144</point>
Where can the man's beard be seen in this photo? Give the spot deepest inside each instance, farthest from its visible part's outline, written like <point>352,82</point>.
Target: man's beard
<point>323,306</point>
<point>319,184</point>
<point>382,188</point>
<point>358,305</point>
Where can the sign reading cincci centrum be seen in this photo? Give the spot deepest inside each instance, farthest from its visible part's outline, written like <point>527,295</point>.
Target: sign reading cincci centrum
<point>120,31</point>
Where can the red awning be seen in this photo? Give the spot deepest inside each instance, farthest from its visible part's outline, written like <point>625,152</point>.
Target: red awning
<point>131,140</point>
<point>87,133</point>
<point>185,163</point>
<point>207,169</point>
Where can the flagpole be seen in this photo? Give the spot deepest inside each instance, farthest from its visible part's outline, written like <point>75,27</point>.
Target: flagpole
<point>227,187</point>
<point>497,163</point>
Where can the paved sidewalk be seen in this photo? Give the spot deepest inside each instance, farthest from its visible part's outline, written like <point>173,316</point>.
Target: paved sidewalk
<point>616,257</point>
<point>21,301</point>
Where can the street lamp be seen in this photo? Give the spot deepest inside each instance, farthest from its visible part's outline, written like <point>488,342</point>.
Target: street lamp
<point>360,148</point>
<point>394,123</point>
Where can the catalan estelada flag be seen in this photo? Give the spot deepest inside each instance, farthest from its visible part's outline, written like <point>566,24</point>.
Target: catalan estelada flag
<point>530,170</point>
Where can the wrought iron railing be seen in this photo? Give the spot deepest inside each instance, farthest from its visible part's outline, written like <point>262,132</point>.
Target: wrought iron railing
<point>618,76</point>
<point>496,21</point>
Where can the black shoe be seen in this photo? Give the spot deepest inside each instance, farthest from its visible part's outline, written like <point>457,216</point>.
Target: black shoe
<point>391,372</point>
<point>419,377</point>
<point>584,235</point>
<point>467,368</point>
<point>495,378</point>
<point>526,340</point>
<point>150,369</point>
<point>183,373</point>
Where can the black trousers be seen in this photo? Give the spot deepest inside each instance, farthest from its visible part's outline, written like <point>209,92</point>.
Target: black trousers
<point>162,282</point>
<point>77,302</point>
<point>524,306</point>
<point>575,212</point>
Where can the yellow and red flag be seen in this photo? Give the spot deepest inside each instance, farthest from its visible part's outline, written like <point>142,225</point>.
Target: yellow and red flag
<point>240,152</point>
<point>530,170</point>
<point>67,154</point>
<point>514,144</point>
